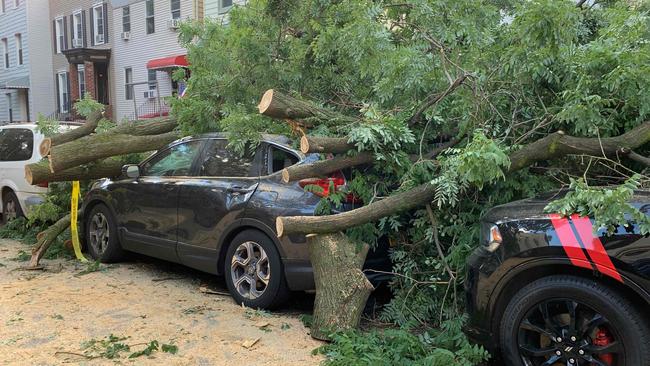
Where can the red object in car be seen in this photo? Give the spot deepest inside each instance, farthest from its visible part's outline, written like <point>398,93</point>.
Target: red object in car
<point>603,339</point>
<point>337,179</point>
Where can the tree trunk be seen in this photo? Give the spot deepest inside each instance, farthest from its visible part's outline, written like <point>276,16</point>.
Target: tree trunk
<point>86,129</point>
<point>341,287</point>
<point>45,238</point>
<point>154,126</point>
<point>100,146</point>
<point>333,145</point>
<point>323,167</point>
<point>275,104</point>
<point>37,173</point>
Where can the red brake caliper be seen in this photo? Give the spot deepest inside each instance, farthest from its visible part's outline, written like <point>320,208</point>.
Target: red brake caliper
<point>603,339</point>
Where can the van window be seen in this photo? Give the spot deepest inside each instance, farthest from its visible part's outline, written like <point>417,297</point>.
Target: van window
<point>16,144</point>
<point>281,159</point>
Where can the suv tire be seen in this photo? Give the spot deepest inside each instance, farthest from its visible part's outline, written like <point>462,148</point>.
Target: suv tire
<point>254,272</point>
<point>11,207</point>
<point>101,235</point>
<point>619,322</point>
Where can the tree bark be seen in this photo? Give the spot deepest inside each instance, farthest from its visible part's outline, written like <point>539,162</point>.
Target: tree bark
<point>341,287</point>
<point>323,167</point>
<point>86,129</point>
<point>154,126</point>
<point>100,146</point>
<point>46,238</point>
<point>636,157</point>
<point>278,105</point>
<point>333,145</point>
<point>37,173</point>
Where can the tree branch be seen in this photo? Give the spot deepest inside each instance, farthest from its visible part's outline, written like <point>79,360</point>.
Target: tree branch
<point>323,167</point>
<point>433,99</point>
<point>86,129</point>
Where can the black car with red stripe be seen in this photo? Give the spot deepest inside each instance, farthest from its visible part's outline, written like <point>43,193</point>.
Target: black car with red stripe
<point>543,289</point>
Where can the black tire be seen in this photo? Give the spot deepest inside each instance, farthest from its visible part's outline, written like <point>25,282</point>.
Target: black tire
<point>622,322</point>
<point>110,251</point>
<point>9,199</point>
<point>276,292</point>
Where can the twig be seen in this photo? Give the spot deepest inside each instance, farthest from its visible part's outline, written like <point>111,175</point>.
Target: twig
<point>76,354</point>
<point>636,157</point>
<point>167,279</point>
<point>437,242</point>
<point>433,99</point>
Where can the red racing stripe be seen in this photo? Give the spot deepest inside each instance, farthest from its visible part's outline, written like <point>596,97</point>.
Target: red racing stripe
<point>569,242</point>
<point>595,247</point>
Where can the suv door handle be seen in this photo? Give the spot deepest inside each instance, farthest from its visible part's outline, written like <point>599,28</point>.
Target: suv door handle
<point>239,189</point>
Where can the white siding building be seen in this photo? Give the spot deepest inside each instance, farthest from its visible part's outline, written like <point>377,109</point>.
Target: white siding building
<point>145,53</point>
<point>25,81</point>
<point>218,9</point>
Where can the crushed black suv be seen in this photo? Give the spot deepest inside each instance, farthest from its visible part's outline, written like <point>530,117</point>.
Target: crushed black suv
<point>198,203</point>
<point>543,289</point>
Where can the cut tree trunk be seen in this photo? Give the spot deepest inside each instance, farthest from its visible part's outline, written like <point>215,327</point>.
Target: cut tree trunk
<point>341,287</point>
<point>86,129</point>
<point>154,126</point>
<point>323,167</point>
<point>100,146</point>
<point>45,238</point>
<point>332,145</point>
<point>275,104</point>
<point>38,173</point>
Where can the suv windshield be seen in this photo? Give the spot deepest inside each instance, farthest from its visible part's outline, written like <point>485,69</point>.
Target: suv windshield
<point>16,144</point>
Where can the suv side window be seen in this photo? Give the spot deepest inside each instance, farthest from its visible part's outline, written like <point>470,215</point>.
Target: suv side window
<point>16,144</point>
<point>220,161</point>
<point>280,159</point>
<point>175,161</point>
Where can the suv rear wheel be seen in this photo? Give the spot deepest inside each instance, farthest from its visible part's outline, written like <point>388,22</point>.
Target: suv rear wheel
<point>10,207</point>
<point>568,320</point>
<point>254,272</point>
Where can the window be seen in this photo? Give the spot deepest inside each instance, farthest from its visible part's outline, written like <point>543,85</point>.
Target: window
<point>78,29</point>
<point>219,161</point>
<point>16,144</point>
<point>128,79</point>
<point>5,52</point>
<point>151,77</point>
<point>280,159</point>
<point>176,9</point>
<point>126,19</point>
<point>98,24</point>
<point>59,35</point>
<point>151,27</point>
<point>19,48</point>
<point>224,5</point>
<point>175,161</point>
<point>17,3</point>
<point>2,8</point>
<point>81,76</point>
<point>63,92</point>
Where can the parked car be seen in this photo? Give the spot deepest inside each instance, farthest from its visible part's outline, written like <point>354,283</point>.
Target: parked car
<point>543,289</point>
<point>19,145</point>
<point>197,203</point>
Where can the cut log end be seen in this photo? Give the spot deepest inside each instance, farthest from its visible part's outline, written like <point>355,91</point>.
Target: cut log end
<point>279,227</point>
<point>45,146</point>
<point>28,175</point>
<point>285,176</point>
<point>266,101</point>
<point>304,144</point>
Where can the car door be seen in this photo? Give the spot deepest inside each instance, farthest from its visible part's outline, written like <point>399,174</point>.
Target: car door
<point>149,203</point>
<point>214,200</point>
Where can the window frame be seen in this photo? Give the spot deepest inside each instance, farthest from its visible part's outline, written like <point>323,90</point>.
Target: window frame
<point>81,80</point>
<point>129,93</point>
<point>59,34</point>
<point>18,38</point>
<point>78,26</point>
<point>224,9</point>
<point>178,10</point>
<point>193,165</point>
<point>99,24</point>
<point>152,83</point>
<point>5,52</point>
<point>258,159</point>
<point>126,19</point>
<point>63,92</point>
<point>150,17</point>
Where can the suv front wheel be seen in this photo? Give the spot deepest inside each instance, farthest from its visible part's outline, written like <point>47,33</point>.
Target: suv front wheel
<point>253,271</point>
<point>568,320</point>
<point>101,235</point>
<point>10,207</point>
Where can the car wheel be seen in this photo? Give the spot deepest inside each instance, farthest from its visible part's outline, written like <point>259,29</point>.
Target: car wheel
<point>10,207</point>
<point>254,272</point>
<point>568,320</point>
<point>101,235</point>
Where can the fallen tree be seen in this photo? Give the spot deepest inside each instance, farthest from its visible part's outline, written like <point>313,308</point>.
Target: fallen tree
<point>40,172</point>
<point>74,133</point>
<point>45,238</point>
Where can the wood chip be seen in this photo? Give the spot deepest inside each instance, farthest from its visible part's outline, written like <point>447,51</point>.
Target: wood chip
<point>262,324</point>
<point>249,343</point>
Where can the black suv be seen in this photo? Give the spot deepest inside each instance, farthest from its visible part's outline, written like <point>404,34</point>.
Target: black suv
<point>543,289</point>
<point>198,203</point>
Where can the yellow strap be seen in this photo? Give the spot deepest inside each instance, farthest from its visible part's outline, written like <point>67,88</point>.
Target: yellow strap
<point>74,232</point>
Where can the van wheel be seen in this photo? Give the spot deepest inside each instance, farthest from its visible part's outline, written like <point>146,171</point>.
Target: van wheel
<point>101,235</point>
<point>254,272</point>
<point>10,207</point>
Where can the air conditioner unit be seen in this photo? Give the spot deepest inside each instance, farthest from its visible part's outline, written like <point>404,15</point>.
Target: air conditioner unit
<point>126,36</point>
<point>150,94</point>
<point>77,43</point>
<point>99,38</point>
<point>174,23</point>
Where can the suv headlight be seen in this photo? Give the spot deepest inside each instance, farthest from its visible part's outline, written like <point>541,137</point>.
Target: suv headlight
<point>494,239</point>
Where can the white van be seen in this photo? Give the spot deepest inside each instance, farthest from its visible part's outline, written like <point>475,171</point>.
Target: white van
<point>19,146</point>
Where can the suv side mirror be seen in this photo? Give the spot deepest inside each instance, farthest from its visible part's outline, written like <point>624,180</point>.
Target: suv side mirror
<point>131,171</point>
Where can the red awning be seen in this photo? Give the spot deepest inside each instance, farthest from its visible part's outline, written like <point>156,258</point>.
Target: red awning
<point>168,62</point>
